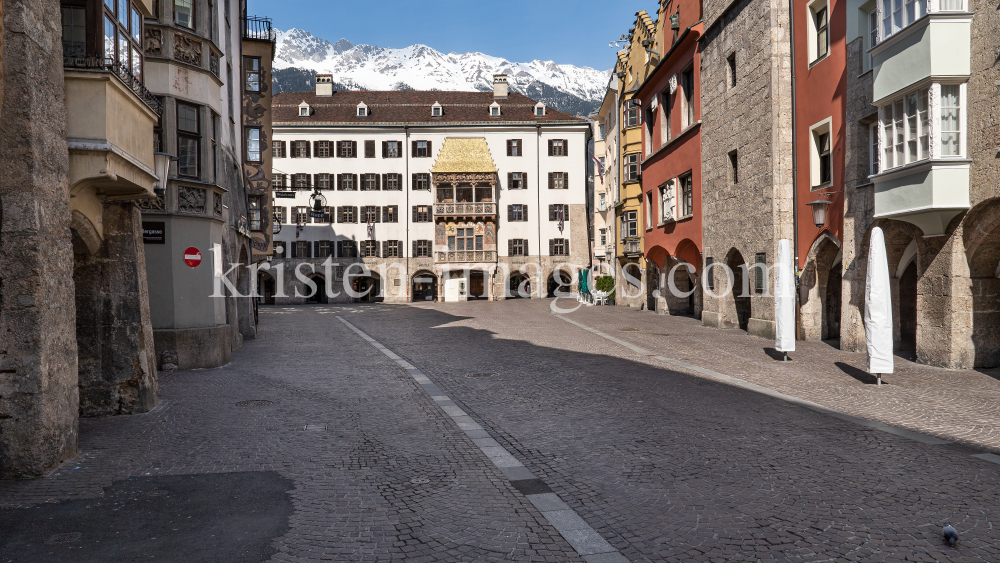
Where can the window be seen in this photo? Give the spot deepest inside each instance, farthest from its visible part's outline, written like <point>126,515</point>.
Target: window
<point>188,140</point>
<point>734,165</point>
<point>517,212</point>
<point>687,195</point>
<point>300,249</point>
<point>347,182</point>
<point>873,148</point>
<point>184,13</point>
<point>304,111</point>
<point>322,149</point>
<point>687,88</point>
<point>323,181</point>
<point>301,215</point>
<point>666,132</point>
<point>346,149</point>
<point>539,111</point>
<point>820,161</point>
<point>465,239</point>
<point>820,32</point>
<point>872,35</point>
<point>300,181</point>
<point>951,5</point>
<point>731,63</point>
<point>279,181</point>
<point>370,183</point>
<point>558,181</point>
<point>278,149</point>
<point>253,144</point>
<point>251,66</point>
<point>760,272</point>
<point>906,128</point>
<point>495,110</point>
<point>517,181</point>
<point>390,149</point>
<point>369,248</point>
<point>325,248</point>
<point>631,114</point>
<point>347,214</point>
<point>422,248</point>
<point>74,31</point>
<point>282,214</point>
<point>369,149</point>
<point>122,43</point>
<point>600,132</point>
<point>392,249</point>
<point>392,183</point>
<point>897,14</point>
<point>362,111</point>
<point>421,149</point>
<point>558,147</point>
<point>371,214</point>
<point>603,236</point>
<point>421,214</point>
<point>951,127</point>
<point>630,223</point>
<point>300,149</point>
<point>256,213</point>
<point>603,202</point>
<point>517,247</point>
<point>631,167</point>
<point>649,210</point>
<point>390,214</point>
<point>436,111</point>
<point>558,212</point>
<point>667,202</point>
<point>422,182</point>
<point>709,273</point>
<point>558,247</point>
<point>347,249</point>
<point>514,147</point>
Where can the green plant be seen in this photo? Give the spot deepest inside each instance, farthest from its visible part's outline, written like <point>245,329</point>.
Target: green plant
<point>604,283</point>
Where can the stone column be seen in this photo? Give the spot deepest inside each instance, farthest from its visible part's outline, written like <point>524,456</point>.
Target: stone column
<point>38,380</point>
<point>944,304</point>
<point>113,329</point>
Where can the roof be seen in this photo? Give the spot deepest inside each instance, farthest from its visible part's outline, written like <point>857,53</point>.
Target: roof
<point>464,155</point>
<point>410,107</point>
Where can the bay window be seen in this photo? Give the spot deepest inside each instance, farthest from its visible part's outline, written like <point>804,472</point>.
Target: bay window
<point>188,140</point>
<point>122,37</point>
<point>184,13</point>
<point>907,125</point>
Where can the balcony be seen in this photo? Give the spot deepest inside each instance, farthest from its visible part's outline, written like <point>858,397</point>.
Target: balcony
<point>936,45</point>
<point>466,256</point>
<point>477,209</point>
<point>928,194</point>
<point>632,247</point>
<point>258,29</point>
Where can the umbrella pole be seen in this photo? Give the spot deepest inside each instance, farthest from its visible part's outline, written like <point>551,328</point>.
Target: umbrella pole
<point>879,376</point>
<point>786,356</point>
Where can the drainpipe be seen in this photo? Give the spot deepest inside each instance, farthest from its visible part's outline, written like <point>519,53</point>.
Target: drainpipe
<point>407,250</point>
<point>795,168</point>
<point>538,178</point>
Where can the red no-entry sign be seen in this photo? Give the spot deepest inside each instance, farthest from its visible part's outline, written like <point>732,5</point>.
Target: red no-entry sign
<point>192,257</point>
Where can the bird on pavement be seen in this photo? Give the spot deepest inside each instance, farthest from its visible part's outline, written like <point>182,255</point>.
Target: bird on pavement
<point>950,534</point>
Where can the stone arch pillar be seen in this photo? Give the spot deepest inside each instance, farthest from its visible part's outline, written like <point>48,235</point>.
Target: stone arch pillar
<point>813,282</point>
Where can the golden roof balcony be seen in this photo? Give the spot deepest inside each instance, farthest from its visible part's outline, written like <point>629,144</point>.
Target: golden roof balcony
<point>477,209</point>
<point>452,256</point>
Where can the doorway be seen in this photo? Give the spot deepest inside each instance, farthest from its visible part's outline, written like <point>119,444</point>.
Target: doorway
<point>908,308</point>
<point>424,287</point>
<point>559,282</point>
<point>318,296</point>
<point>266,289</point>
<point>741,300</point>
<point>831,312</point>
<point>368,287</point>
<point>477,285</point>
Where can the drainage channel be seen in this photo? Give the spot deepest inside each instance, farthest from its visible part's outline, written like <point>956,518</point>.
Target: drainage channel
<point>580,535</point>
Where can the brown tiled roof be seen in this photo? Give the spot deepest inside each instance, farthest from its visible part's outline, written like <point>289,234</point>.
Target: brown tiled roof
<point>409,107</point>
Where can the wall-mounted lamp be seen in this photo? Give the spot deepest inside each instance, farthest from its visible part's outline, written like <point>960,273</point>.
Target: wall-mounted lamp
<point>819,210</point>
<point>161,167</point>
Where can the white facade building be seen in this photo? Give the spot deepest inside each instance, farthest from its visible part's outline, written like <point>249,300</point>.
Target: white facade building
<point>469,194</point>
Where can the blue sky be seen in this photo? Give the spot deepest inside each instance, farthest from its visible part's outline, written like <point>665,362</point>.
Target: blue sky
<point>567,32</point>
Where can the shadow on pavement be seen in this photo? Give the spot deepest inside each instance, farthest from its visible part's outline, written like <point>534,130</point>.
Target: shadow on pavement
<point>860,375</point>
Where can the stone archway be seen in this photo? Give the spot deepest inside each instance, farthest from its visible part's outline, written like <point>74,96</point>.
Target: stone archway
<point>982,246</point>
<point>816,305</point>
<point>559,284</point>
<point>423,286</point>
<point>318,296</point>
<point>266,287</point>
<point>737,306</point>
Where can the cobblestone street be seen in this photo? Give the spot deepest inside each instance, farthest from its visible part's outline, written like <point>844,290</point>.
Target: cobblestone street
<point>498,431</point>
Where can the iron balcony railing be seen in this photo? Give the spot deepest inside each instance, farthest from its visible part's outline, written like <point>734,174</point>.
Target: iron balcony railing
<point>466,256</point>
<point>480,208</point>
<point>121,72</point>
<point>258,29</point>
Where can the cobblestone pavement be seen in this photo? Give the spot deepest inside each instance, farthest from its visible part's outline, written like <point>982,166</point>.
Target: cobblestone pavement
<point>664,463</point>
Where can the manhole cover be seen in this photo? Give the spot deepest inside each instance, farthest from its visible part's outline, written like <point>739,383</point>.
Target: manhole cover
<point>68,537</point>
<point>255,403</point>
<point>420,480</point>
<point>483,374</point>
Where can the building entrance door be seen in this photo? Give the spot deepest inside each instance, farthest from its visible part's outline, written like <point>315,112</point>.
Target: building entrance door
<point>477,285</point>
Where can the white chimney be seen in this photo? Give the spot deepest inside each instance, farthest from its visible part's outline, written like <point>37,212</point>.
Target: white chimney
<point>500,86</point>
<point>324,85</point>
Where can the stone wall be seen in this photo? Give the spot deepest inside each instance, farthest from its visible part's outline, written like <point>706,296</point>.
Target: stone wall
<point>38,351</point>
<point>117,362</point>
<point>753,118</point>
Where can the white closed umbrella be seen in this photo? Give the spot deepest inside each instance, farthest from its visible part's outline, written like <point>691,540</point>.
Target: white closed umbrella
<point>784,300</point>
<point>878,308</point>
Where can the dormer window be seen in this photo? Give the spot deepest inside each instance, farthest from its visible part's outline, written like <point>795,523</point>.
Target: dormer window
<point>304,110</point>
<point>539,109</point>
<point>436,110</point>
<point>363,110</point>
<point>494,110</point>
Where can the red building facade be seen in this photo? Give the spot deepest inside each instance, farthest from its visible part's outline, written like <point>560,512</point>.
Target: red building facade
<point>671,164</point>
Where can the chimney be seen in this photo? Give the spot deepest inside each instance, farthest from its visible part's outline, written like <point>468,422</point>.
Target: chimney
<point>500,86</point>
<point>324,85</point>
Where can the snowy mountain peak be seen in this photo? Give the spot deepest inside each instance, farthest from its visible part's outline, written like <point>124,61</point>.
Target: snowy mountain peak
<point>577,90</point>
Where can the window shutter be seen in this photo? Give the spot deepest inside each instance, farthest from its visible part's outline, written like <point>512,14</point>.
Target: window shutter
<point>510,212</point>
<point>340,214</point>
<point>566,246</point>
<point>413,182</point>
<point>413,251</point>
<point>414,214</point>
<point>385,249</point>
<point>565,147</point>
<point>524,180</point>
<point>552,212</point>
<point>378,214</point>
<point>315,246</point>
<point>354,149</point>
<point>524,210</point>
<point>552,183</point>
<point>315,148</point>
<point>509,152</point>
<point>430,151</point>
<point>315,180</point>
<point>550,148</point>
<point>292,246</point>
<point>510,176</point>
<point>284,150</point>
<point>552,247</point>
<point>378,181</point>
<point>355,182</point>
<point>413,148</point>
<point>308,149</point>
<point>510,247</point>
<point>385,149</point>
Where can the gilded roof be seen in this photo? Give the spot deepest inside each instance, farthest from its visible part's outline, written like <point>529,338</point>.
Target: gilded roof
<point>464,155</point>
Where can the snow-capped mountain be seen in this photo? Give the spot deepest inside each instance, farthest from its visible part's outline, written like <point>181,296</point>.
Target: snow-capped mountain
<point>300,55</point>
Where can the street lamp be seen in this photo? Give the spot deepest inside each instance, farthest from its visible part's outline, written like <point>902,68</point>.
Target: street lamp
<point>819,210</point>
<point>161,167</point>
